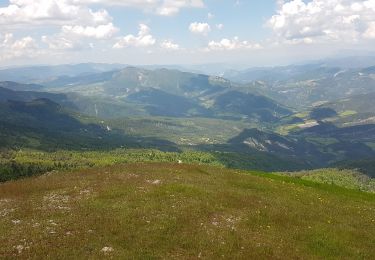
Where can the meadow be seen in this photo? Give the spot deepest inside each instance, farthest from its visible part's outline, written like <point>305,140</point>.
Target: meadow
<point>181,211</point>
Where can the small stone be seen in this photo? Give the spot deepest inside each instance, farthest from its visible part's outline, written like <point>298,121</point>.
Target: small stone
<point>156,182</point>
<point>107,250</point>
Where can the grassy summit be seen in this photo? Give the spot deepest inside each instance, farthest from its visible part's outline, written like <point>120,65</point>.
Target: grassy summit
<point>162,210</point>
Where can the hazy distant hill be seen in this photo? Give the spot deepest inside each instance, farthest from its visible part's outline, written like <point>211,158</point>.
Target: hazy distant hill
<point>40,74</point>
<point>307,85</point>
<point>363,103</point>
<point>12,92</point>
<point>131,79</point>
<point>20,87</point>
<point>350,111</point>
<point>45,124</point>
<point>167,92</point>
<point>353,110</point>
<point>42,123</point>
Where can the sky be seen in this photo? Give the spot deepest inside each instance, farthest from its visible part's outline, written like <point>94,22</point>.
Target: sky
<point>140,32</point>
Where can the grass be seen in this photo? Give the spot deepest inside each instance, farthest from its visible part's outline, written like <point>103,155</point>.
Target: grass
<point>286,129</point>
<point>347,113</point>
<point>183,131</point>
<point>322,141</point>
<point>16,164</point>
<point>178,211</point>
<point>302,114</point>
<point>350,179</point>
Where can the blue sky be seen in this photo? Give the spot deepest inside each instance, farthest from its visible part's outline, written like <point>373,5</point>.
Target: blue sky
<point>249,32</point>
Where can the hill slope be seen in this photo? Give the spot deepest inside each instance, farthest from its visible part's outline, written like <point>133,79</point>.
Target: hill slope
<point>46,125</point>
<point>353,110</point>
<point>20,92</point>
<point>181,211</point>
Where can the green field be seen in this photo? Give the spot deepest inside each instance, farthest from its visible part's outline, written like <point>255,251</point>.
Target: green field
<point>351,179</point>
<point>182,131</point>
<point>159,211</point>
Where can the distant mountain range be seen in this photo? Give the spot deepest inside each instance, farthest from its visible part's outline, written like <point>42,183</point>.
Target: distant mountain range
<point>38,74</point>
<point>160,92</point>
<point>312,115</point>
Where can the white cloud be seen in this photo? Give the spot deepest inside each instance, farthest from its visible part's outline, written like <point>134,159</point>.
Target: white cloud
<point>220,26</point>
<point>370,32</point>
<point>323,21</point>
<point>58,42</point>
<point>11,48</point>
<point>172,7</point>
<point>74,20</point>
<point>160,7</point>
<point>143,39</point>
<point>73,37</point>
<point>170,45</point>
<point>42,12</point>
<point>103,31</point>
<point>200,28</point>
<point>231,44</point>
<point>210,16</point>
<point>128,3</point>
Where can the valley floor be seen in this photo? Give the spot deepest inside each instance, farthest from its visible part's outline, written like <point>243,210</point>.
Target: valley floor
<point>177,211</point>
